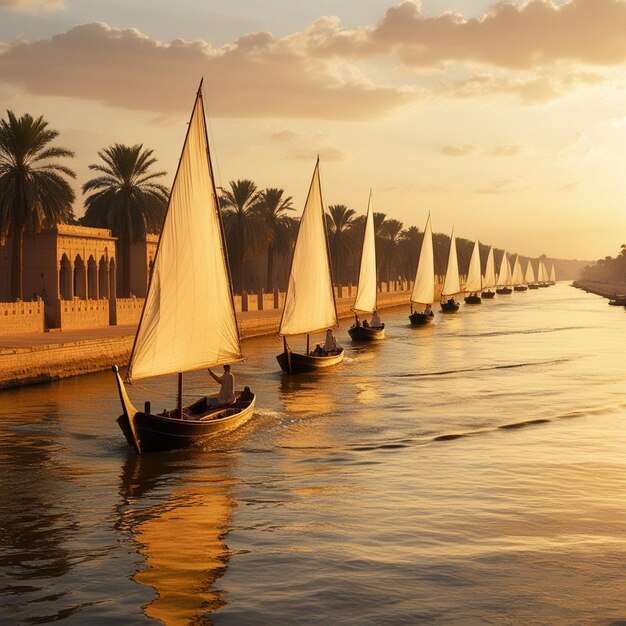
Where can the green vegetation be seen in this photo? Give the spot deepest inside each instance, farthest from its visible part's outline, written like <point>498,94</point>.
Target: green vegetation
<point>608,269</point>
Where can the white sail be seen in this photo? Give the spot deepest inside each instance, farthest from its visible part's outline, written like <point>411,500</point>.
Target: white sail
<point>530,273</point>
<point>451,284</point>
<point>552,274</point>
<point>518,275</point>
<point>310,298</point>
<point>424,287</point>
<point>541,274</point>
<point>504,276</point>
<point>490,272</point>
<point>473,284</point>
<point>188,321</point>
<point>366,290</point>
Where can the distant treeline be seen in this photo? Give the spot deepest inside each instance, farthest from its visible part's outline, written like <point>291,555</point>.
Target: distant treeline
<point>607,269</point>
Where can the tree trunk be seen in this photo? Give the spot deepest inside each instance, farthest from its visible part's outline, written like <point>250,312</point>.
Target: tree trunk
<point>269,279</point>
<point>16,266</point>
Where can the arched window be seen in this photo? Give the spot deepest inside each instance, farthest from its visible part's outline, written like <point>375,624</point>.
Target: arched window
<point>103,278</point>
<point>65,279</point>
<point>79,277</point>
<point>92,279</point>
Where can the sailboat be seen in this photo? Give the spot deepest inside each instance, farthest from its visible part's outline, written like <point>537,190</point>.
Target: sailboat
<point>489,280</point>
<point>424,286</point>
<point>310,298</point>
<point>474,280</point>
<point>504,276</point>
<point>451,283</point>
<point>530,276</point>
<point>552,275</point>
<point>365,301</point>
<point>518,276</point>
<point>188,320</point>
<point>542,275</point>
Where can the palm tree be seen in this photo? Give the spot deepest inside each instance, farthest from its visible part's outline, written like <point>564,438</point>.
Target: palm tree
<point>126,199</point>
<point>270,208</point>
<point>390,232</point>
<point>409,248</point>
<point>341,236</point>
<point>34,193</point>
<point>245,231</point>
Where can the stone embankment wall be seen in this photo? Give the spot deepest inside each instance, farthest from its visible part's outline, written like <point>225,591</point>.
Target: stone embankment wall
<point>27,362</point>
<point>21,317</point>
<point>74,314</point>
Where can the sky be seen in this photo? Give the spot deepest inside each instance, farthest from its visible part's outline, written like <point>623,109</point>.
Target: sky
<point>506,121</point>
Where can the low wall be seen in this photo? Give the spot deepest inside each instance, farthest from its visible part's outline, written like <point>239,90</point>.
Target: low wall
<point>17,318</point>
<point>128,310</point>
<point>74,314</point>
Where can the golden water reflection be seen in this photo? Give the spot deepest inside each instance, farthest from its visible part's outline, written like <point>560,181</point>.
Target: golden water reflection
<point>179,519</point>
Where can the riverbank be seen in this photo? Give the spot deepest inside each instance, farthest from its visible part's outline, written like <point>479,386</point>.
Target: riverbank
<point>606,289</point>
<point>43,357</point>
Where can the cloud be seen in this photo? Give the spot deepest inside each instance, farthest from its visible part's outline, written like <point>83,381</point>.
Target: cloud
<point>507,150</point>
<point>534,34</point>
<point>458,150</point>
<point>502,185</point>
<point>307,146</point>
<point>256,76</point>
<point>33,6</point>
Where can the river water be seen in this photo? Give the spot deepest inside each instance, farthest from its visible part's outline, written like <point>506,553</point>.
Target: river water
<point>473,472</point>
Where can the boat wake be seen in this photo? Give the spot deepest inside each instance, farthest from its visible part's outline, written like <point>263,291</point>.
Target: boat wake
<point>483,369</point>
<point>531,331</point>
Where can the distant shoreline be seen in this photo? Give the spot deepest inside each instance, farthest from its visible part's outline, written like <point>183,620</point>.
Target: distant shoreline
<point>606,289</point>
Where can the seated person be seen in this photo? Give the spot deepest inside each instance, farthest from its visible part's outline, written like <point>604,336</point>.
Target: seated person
<point>330,345</point>
<point>318,350</point>
<point>226,395</point>
<point>366,324</point>
<point>376,323</point>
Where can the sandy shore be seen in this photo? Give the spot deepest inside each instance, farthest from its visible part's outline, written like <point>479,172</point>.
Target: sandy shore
<point>42,357</point>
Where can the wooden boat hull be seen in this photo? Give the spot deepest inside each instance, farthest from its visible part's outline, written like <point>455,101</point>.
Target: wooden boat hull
<point>619,301</point>
<point>421,319</point>
<point>543,285</point>
<point>366,333</point>
<point>504,291</point>
<point>473,299</point>
<point>158,432</point>
<point>488,294</point>
<point>520,288</point>
<point>533,286</point>
<point>450,306</point>
<point>296,363</point>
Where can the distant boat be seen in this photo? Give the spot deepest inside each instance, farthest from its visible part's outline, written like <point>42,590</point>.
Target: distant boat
<point>542,275</point>
<point>451,283</point>
<point>310,298</point>
<point>474,280</point>
<point>424,287</point>
<point>504,277</point>
<point>489,280</point>
<point>366,292</point>
<point>518,276</point>
<point>618,300</point>
<point>552,275</point>
<point>530,276</point>
<point>188,320</point>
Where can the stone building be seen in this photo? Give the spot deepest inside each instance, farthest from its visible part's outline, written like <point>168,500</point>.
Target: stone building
<point>73,270</point>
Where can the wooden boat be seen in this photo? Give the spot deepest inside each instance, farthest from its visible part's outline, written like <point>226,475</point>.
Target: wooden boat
<point>451,283</point>
<point>504,277</point>
<point>310,298</point>
<point>188,321</point>
<point>423,293</point>
<point>489,279</point>
<point>518,276</point>
<point>367,291</point>
<point>618,301</point>
<point>542,275</point>
<point>552,279</point>
<point>474,280</point>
